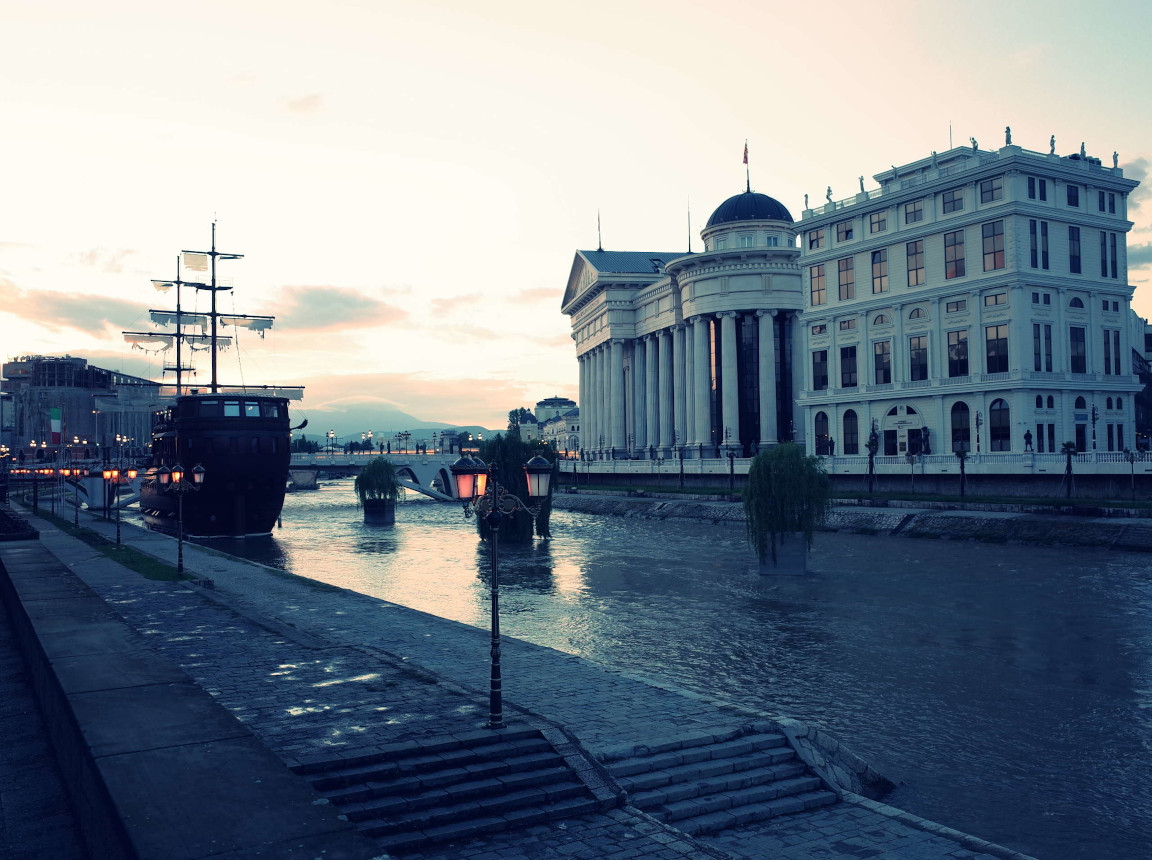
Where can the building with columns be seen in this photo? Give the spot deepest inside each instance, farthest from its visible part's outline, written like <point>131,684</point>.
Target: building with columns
<point>976,300</point>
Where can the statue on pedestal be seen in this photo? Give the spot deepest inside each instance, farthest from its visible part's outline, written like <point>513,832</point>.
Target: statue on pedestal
<point>975,145</point>
<point>1007,135</point>
<point>828,194</point>
<point>1052,145</point>
<point>861,184</point>
<point>1115,159</point>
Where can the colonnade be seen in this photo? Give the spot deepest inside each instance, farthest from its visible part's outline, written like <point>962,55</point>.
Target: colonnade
<point>656,395</point>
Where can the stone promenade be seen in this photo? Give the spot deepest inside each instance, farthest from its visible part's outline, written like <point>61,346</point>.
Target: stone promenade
<point>318,673</point>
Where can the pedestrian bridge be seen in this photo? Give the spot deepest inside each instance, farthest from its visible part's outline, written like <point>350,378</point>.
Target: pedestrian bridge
<point>423,473</point>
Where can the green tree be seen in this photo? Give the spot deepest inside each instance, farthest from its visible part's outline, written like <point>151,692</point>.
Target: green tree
<point>873,445</point>
<point>377,481</point>
<point>519,416</point>
<point>1068,449</point>
<point>788,492</point>
<point>506,456</point>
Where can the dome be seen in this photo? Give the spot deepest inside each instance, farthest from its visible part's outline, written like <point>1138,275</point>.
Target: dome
<point>749,206</point>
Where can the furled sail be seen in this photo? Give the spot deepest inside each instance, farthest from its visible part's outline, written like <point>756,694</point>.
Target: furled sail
<point>254,323</point>
<point>149,341</point>
<point>185,318</point>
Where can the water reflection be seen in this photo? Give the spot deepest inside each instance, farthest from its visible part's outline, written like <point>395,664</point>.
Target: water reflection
<point>1010,688</point>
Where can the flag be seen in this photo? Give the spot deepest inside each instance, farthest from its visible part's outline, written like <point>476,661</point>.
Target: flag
<point>195,261</point>
<point>745,152</point>
<point>56,416</point>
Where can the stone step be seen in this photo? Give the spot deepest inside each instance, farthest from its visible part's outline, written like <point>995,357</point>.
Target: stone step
<point>682,790</point>
<point>672,758</point>
<point>694,771</point>
<point>694,807</point>
<point>478,814</point>
<point>391,802</point>
<point>381,768</point>
<point>382,784</point>
<point>738,816</point>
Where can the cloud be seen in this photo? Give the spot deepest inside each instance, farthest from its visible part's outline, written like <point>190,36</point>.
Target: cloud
<point>455,303</point>
<point>1139,255</point>
<point>310,309</point>
<point>538,294</point>
<point>306,104</point>
<point>55,310</point>
<point>105,259</point>
<point>1138,169</point>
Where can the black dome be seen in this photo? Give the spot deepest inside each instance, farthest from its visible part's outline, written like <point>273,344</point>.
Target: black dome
<point>749,206</point>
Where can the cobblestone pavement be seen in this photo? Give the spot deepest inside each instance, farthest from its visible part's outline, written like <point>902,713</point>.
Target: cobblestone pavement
<point>35,817</point>
<point>317,671</point>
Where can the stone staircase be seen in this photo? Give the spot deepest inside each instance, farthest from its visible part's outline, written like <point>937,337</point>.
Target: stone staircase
<point>702,785</point>
<point>447,789</point>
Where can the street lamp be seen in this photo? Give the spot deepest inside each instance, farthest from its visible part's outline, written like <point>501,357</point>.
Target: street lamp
<point>331,435</point>
<point>112,481</point>
<point>1095,418</point>
<point>174,480</point>
<point>481,493</point>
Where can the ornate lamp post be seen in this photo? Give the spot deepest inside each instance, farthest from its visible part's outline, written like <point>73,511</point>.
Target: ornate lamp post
<point>1095,418</point>
<point>331,436</point>
<point>175,480</point>
<point>112,481</point>
<point>482,495</point>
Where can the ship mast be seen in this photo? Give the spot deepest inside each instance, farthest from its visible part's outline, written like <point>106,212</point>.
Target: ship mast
<point>213,255</point>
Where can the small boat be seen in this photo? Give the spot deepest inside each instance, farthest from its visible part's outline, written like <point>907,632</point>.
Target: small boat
<point>238,435</point>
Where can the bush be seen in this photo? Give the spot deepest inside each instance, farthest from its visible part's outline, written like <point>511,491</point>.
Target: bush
<point>787,492</point>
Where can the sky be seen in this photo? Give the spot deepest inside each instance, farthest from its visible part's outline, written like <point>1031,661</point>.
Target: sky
<point>409,182</point>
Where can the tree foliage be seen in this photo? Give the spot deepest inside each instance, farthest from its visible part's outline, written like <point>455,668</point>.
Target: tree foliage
<point>377,480</point>
<point>788,492</point>
<point>506,456</point>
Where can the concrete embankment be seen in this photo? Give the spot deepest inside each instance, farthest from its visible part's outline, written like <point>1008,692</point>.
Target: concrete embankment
<point>1123,529</point>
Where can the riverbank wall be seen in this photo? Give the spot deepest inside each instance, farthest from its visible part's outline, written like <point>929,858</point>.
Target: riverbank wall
<point>1115,528</point>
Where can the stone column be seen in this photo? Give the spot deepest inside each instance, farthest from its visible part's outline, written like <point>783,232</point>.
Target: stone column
<point>639,400</point>
<point>678,392</point>
<point>666,406</point>
<point>730,389</point>
<point>702,381</point>
<point>582,362</point>
<point>617,403</point>
<point>689,385</point>
<point>652,389</point>
<point>592,419</point>
<point>767,369</point>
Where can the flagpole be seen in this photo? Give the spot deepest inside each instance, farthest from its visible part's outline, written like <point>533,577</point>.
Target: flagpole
<point>747,171</point>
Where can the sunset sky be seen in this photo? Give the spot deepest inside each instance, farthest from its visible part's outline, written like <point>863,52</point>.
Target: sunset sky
<point>409,181</point>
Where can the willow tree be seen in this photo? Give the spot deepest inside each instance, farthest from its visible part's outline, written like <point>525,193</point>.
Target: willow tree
<point>788,493</point>
<point>377,491</point>
<point>506,456</point>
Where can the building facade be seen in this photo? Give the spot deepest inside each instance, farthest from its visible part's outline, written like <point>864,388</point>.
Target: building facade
<point>975,301</point>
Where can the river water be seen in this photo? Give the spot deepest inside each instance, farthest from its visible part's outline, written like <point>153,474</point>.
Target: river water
<point>1008,689</point>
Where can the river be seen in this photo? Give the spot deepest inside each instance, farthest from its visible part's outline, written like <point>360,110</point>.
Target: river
<point>1007,688</point>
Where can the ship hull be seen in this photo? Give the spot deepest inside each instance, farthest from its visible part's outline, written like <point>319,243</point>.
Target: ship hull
<point>242,443</point>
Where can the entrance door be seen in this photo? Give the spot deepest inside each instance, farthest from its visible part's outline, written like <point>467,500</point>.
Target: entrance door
<point>890,443</point>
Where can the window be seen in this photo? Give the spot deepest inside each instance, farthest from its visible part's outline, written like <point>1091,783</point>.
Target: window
<point>1042,347</point>
<point>1077,351</point>
<point>1112,351</point>
<point>917,314</point>
<point>915,252</point>
<point>1076,302</point>
<point>843,231</point>
<point>720,243</point>
<point>1108,255</point>
<point>1100,201</point>
<point>996,348</point>
<point>1039,402</point>
<point>993,234</point>
<point>815,239</point>
<point>1073,195</point>
<point>847,275</point>
<point>1081,403</point>
<point>1108,405</point>
<point>961,427</point>
<point>816,285</point>
<point>772,241</point>
<point>851,433</point>
<point>993,299</point>
<point>880,271</point>
<point>999,426</point>
<point>1074,250</point>
<point>848,325</point>
<point>954,254</point>
<point>820,370</point>
<point>953,200</point>
<point>918,357</point>
<point>956,306</point>
<point>957,353</point>
<point>1111,203</point>
<point>1037,188</point>
<point>882,362</point>
<point>1038,243</point>
<point>747,240</point>
<point>847,367</point>
<point>992,190</point>
<point>877,223</point>
<point>914,212</point>
<point>820,329</point>
<point>881,319</point>
<point>820,426</point>
<point>1051,402</point>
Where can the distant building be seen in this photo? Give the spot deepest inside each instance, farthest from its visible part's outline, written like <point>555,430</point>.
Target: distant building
<point>562,431</point>
<point>64,403</point>
<point>975,301</point>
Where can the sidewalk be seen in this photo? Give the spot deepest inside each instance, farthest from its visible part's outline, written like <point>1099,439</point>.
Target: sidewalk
<point>317,672</point>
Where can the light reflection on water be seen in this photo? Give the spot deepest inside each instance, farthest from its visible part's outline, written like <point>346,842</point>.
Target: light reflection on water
<point>1008,687</point>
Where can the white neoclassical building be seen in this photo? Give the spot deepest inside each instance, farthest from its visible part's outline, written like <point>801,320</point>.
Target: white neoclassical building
<point>975,300</point>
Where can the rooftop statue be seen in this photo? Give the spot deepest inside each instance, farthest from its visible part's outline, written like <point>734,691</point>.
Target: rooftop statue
<point>1007,135</point>
<point>1052,145</point>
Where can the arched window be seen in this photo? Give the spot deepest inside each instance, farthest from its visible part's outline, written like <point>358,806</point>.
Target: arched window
<point>1076,303</point>
<point>1119,402</point>
<point>917,314</point>
<point>911,411</point>
<point>999,426</point>
<point>1039,401</point>
<point>892,411</point>
<point>881,319</point>
<point>1080,403</point>
<point>821,433</point>
<point>851,436</point>
<point>1051,402</point>
<point>961,427</point>
<point>1108,403</point>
